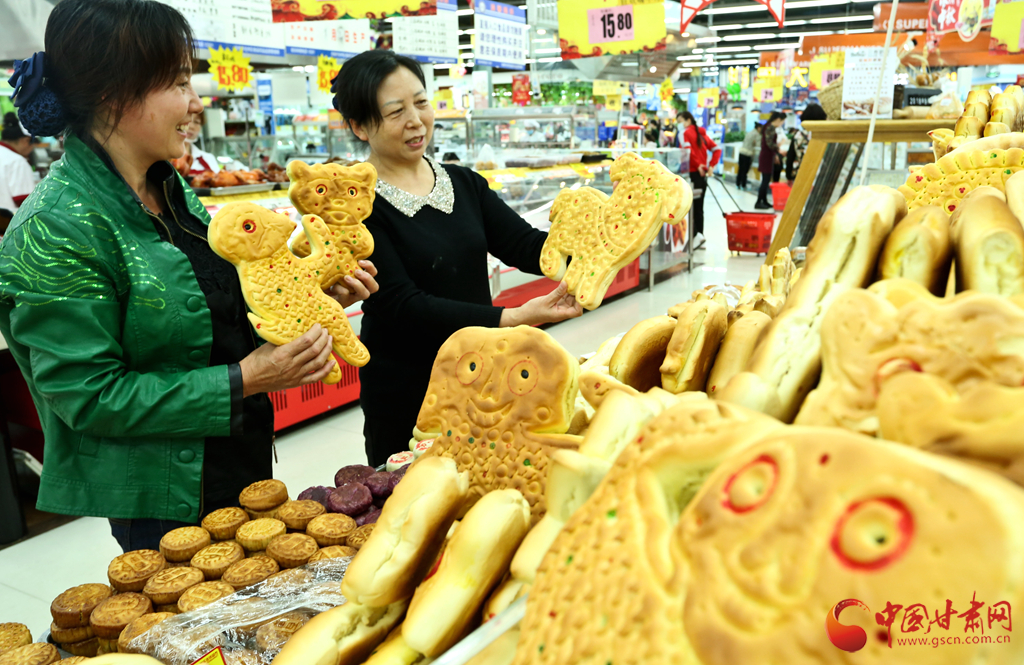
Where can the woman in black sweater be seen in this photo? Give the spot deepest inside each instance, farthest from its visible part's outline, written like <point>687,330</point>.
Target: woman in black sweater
<point>433,226</point>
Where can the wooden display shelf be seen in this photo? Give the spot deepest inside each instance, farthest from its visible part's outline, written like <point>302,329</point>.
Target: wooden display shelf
<point>825,132</point>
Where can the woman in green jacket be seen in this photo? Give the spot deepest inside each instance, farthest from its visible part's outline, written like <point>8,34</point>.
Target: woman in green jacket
<point>129,330</point>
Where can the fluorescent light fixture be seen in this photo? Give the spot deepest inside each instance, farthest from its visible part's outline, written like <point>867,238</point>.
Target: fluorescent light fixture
<point>463,12</point>
<point>751,36</point>
<point>541,41</point>
<point>777,47</point>
<point>685,70</point>
<point>698,50</point>
<point>728,49</point>
<point>310,69</point>
<point>814,33</point>
<point>299,68</point>
<point>817,3</point>
<point>707,40</point>
<point>681,91</point>
<point>686,34</point>
<point>732,26</point>
<point>789,24</point>
<point>465,46</point>
<point>843,19</point>
<point>549,59</point>
<point>454,64</point>
<point>684,57</point>
<point>547,50</point>
<point>471,31</point>
<point>653,69</point>
<point>737,63</point>
<point>541,31</point>
<point>859,31</point>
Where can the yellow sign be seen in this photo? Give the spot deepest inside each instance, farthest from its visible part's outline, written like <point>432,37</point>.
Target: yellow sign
<point>797,78</point>
<point>763,72</point>
<point>326,69</point>
<point>588,28</point>
<point>444,100</point>
<point>215,657</point>
<point>707,98</point>
<point>1006,27</point>
<point>613,102</point>
<point>741,76</point>
<point>825,68</point>
<point>768,89</point>
<point>665,89</point>
<point>230,69</point>
<point>602,87</point>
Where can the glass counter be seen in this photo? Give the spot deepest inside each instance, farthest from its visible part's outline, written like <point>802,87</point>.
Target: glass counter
<point>526,135</point>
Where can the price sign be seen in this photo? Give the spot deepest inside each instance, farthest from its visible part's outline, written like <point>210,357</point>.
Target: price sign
<point>613,102</point>
<point>768,94</point>
<point>610,24</point>
<point>326,69</point>
<point>830,75</point>
<point>707,98</point>
<point>603,87</point>
<point>231,69</point>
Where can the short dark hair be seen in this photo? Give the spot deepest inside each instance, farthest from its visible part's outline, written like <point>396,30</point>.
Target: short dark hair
<point>12,130</point>
<point>355,88</point>
<point>813,112</point>
<point>113,52</point>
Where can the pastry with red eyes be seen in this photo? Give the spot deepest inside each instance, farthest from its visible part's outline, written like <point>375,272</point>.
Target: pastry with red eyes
<point>285,293</point>
<point>783,530</point>
<point>343,197</point>
<point>501,400</point>
<point>608,590</point>
<point>843,254</point>
<point>866,341</point>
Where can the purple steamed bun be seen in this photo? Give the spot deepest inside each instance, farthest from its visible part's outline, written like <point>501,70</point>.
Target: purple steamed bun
<point>355,473</point>
<point>318,493</point>
<point>378,484</point>
<point>369,517</point>
<point>350,499</point>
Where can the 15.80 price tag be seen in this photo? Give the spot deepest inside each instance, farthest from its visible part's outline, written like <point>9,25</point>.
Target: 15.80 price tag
<point>610,24</point>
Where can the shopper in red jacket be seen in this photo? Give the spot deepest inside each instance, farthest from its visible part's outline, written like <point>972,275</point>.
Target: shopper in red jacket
<point>700,145</point>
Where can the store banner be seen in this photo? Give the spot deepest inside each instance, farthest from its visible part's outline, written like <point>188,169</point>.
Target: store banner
<point>521,89</point>
<point>501,35</point>
<point>433,39</point>
<point>777,8</point>
<point>230,69</point>
<point>326,69</point>
<point>862,68</point>
<point>665,89</point>
<point>910,17</point>
<point>739,76</point>
<point>768,88</point>
<point>707,98</point>
<point>604,88</point>
<point>298,11</point>
<point>590,28</point>
<point>336,39</point>
<point>239,23</point>
<point>964,17</point>
<point>1008,29</point>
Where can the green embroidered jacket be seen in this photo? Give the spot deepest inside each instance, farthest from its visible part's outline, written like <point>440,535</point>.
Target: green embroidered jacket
<point>112,333</point>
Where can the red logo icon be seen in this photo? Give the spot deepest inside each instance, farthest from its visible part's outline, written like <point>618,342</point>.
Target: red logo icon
<point>847,638</point>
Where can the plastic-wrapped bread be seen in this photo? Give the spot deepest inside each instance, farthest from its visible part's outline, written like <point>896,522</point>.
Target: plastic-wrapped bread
<point>988,241</point>
<point>919,249</point>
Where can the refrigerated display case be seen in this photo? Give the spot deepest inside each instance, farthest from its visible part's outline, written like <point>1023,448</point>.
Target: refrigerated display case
<point>451,135</point>
<point>531,132</point>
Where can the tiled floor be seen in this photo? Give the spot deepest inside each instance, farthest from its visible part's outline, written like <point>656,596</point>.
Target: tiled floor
<point>33,572</point>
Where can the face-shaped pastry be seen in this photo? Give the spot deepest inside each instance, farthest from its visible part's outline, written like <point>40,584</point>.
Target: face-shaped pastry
<point>342,196</point>
<point>947,181</point>
<point>248,232</point>
<point>500,399</point>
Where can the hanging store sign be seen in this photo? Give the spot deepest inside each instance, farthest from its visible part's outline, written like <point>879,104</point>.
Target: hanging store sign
<point>588,28</point>
<point>739,76</point>
<point>665,89</point>
<point>230,69</point>
<point>910,17</point>
<point>604,88</point>
<point>707,98</point>
<point>824,69</point>
<point>337,39</point>
<point>777,8</point>
<point>326,69</point>
<point>768,88</point>
<point>1008,28</point>
<point>501,35</point>
<point>299,11</point>
<point>521,89</point>
<point>613,102</point>
<point>429,38</point>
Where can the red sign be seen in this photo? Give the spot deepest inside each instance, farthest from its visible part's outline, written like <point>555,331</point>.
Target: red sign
<point>910,17</point>
<point>521,89</point>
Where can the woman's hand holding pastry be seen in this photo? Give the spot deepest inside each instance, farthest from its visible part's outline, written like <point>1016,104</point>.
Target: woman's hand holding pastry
<point>558,305</point>
<point>355,289</point>
<point>300,362</point>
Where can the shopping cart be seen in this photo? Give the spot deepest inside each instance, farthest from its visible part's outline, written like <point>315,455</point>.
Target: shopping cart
<point>747,231</point>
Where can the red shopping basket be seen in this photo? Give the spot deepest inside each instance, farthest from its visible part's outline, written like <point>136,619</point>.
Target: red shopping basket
<point>749,231</point>
<point>780,194</point>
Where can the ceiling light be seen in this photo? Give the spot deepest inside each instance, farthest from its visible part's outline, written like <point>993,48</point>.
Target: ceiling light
<point>748,37</point>
<point>777,47</point>
<point>732,26</point>
<point>681,91</point>
<point>541,41</point>
<point>698,50</point>
<point>817,3</point>
<point>815,33</point>
<point>690,57</point>
<point>844,19</point>
<point>547,50</point>
<point>859,31</point>
<point>465,46</point>
<point>707,40</point>
<point>310,69</point>
<point>299,68</point>
<point>728,49</point>
<point>736,63</point>
<point>653,69</point>
<point>463,12</point>
<point>685,70</point>
<point>549,59</point>
<point>541,31</point>
<point>789,24</point>
<point>471,31</point>
<point>686,34</point>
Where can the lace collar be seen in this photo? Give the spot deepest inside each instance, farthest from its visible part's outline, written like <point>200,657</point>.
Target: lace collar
<point>442,197</point>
